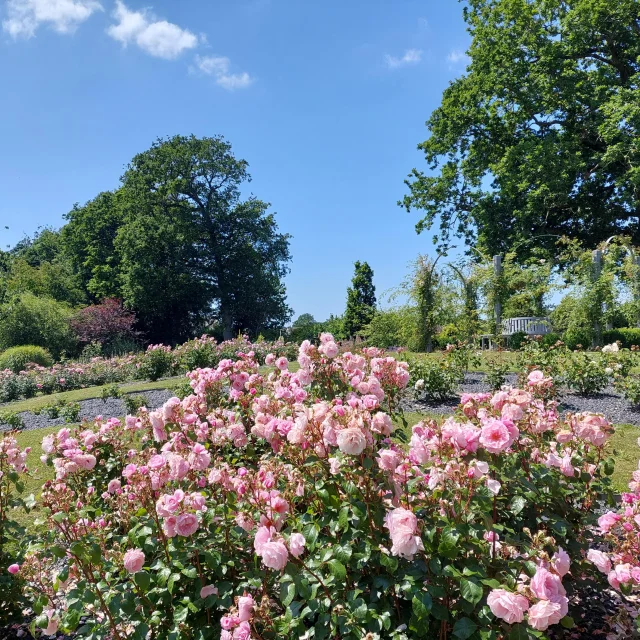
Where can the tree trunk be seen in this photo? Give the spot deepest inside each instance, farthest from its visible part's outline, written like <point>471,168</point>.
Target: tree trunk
<point>227,324</point>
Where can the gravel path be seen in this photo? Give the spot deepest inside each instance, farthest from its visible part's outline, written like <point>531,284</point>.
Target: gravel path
<point>609,403</point>
<point>89,409</point>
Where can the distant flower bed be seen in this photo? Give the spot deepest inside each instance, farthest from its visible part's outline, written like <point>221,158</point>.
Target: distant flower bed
<point>287,505</point>
<point>156,362</point>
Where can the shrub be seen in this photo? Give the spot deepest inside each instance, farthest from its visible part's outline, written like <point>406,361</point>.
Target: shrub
<point>103,323</point>
<point>157,362</point>
<point>40,321</point>
<point>12,472</point>
<point>16,358</point>
<point>110,391</point>
<point>517,339</point>
<point>133,403</point>
<point>284,506</point>
<point>586,373</point>
<point>12,419</point>
<point>550,339</point>
<point>70,411</point>
<point>496,374</point>
<point>435,379</point>
<point>577,339</point>
<point>627,336</point>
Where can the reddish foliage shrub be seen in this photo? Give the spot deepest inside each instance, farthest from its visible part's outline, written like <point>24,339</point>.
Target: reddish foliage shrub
<point>103,322</point>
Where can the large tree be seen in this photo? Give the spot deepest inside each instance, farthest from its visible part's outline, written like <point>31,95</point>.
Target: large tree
<point>540,137</point>
<point>189,243</point>
<point>361,300</point>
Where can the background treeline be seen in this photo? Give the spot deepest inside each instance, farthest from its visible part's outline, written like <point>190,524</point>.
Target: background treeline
<point>174,251</point>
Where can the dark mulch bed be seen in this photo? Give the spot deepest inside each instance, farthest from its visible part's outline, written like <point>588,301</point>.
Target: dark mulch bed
<point>89,409</point>
<point>609,402</point>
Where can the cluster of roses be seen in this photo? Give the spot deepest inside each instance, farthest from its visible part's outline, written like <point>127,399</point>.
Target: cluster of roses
<point>456,454</point>
<point>544,589</point>
<point>621,533</point>
<point>70,454</point>
<point>12,457</point>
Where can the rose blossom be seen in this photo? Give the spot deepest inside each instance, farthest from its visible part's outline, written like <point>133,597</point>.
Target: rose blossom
<point>351,441</point>
<point>274,555</point>
<point>186,525</point>
<point>208,590</point>
<point>508,606</point>
<point>134,560</point>
<point>297,544</point>
<point>546,585</point>
<point>561,562</point>
<point>13,569</point>
<point>544,613</point>
<point>245,607</point>
<point>495,436</point>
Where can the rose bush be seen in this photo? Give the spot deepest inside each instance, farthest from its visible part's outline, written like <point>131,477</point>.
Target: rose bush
<point>156,362</point>
<point>287,505</point>
<point>13,468</point>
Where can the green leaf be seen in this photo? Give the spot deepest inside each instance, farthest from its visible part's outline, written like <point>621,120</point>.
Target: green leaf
<point>338,570</point>
<point>518,632</point>
<point>518,504</point>
<point>142,579</point>
<point>471,591</point>
<point>287,593</point>
<point>421,605</point>
<point>448,546</point>
<point>609,466</point>
<point>464,628</point>
<point>567,622</point>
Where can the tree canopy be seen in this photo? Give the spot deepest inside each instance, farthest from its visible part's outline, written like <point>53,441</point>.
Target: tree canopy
<point>361,300</point>
<point>180,247</point>
<point>539,137</point>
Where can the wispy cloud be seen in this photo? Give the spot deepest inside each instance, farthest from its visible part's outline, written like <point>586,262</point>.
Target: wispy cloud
<point>218,67</point>
<point>411,56</point>
<point>157,37</point>
<point>25,16</point>
<point>457,56</point>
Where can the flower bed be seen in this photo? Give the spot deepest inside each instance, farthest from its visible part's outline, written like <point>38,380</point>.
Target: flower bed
<point>156,362</point>
<point>286,505</point>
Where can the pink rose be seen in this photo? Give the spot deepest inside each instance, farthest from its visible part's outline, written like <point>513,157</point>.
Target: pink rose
<point>113,486</point>
<point>561,562</point>
<point>297,544</point>
<point>282,363</point>
<point>402,525</point>
<point>351,441</point>
<point>508,606</point>
<point>546,585</point>
<point>388,459</point>
<point>544,613</point>
<point>208,590</point>
<point>381,423</point>
<point>186,525</point>
<point>263,535</point>
<point>242,632</point>
<point>13,569</point>
<point>623,573</point>
<point>245,607</point>
<point>495,436</point>
<point>134,560</point>
<point>607,521</point>
<point>274,555</point>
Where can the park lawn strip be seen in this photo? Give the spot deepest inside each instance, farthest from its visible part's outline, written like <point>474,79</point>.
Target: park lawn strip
<point>624,445</point>
<point>89,393</point>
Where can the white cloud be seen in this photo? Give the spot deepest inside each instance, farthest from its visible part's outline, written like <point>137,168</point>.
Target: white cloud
<point>218,67</point>
<point>25,16</point>
<point>457,56</point>
<point>157,37</point>
<point>411,56</point>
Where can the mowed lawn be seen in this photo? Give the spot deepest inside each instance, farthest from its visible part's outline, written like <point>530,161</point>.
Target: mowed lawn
<point>623,446</point>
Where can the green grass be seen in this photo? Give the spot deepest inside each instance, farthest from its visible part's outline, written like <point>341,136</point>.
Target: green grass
<point>34,404</point>
<point>626,452</point>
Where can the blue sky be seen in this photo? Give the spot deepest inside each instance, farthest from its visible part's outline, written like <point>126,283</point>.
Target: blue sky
<point>325,100</point>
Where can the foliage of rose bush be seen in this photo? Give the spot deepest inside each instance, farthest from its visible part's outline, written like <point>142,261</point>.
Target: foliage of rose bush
<point>156,362</point>
<point>12,471</point>
<point>287,505</point>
